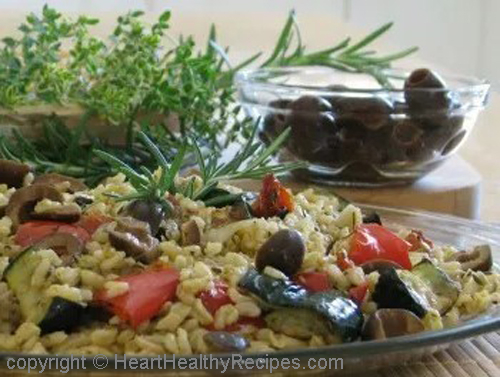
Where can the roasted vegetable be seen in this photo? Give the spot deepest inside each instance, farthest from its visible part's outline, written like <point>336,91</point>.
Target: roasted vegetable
<point>50,313</point>
<point>65,315</point>
<point>34,231</point>
<point>147,292</point>
<point>273,200</point>
<point>478,259</point>
<point>32,302</point>
<point>388,323</point>
<point>393,292</point>
<point>441,291</point>
<point>374,242</point>
<point>284,251</point>
<point>340,317</point>
<point>224,341</point>
<point>424,287</point>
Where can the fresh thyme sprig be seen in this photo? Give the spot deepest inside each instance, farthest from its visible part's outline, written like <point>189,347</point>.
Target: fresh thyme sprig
<point>253,161</point>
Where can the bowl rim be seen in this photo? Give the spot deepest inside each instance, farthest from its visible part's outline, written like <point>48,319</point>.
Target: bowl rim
<point>251,76</point>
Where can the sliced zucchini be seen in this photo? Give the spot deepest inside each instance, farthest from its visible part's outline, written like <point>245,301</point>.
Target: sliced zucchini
<point>18,275</point>
<point>423,288</point>
<point>49,313</point>
<point>444,291</point>
<point>326,313</point>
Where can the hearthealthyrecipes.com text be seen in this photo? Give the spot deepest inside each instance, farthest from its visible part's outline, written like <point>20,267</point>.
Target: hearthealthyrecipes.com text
<point>207,362</point>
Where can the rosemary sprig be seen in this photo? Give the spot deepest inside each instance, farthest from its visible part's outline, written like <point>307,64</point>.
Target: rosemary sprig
<point>345,56</point>
<point>253,161</point>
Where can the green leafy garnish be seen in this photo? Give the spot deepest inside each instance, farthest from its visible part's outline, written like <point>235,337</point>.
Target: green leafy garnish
<point>253,161</point>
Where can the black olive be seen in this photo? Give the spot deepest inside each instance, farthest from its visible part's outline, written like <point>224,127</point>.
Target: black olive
<point>224,341</point>
<point>406,133</point>
<point>275,122</point>
<point>83,201</point>
<point>284,251</point>
<point>335,94</point>
<point>12,173</point>
<point>425,91</point>
<point>372,112</point>
<point>148,211</point>
<point>372,218</point>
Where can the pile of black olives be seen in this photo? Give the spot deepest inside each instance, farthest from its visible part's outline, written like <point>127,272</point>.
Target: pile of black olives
<point>355,132</point>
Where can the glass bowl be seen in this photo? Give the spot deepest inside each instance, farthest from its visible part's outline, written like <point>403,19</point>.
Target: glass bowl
<point>352,132</point>
<point>358,356</point>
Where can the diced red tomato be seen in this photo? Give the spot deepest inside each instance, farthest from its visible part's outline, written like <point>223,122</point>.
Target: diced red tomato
<point>343,262</point>
<point>274,199</point>
<point>374,242</point>
<point>33,231</point>
<point>215,297</point>
<point>314,281</point>
<point>358,293</point>
<point>147,293</point>
<point>92,222</point>
<point>418,241</point>
<point>242,322</point>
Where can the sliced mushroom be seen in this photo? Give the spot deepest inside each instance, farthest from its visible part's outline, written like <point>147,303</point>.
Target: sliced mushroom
<point>379,265</point>
<point>12,173</point>
<point>388,323</point>
<point>23,201</point>
<point>64,213</point>
<point>284,251</point>
<point>478,259</point>
<point>191,233</point>
<point>224,341</point>
<point>134,238</point>
<point>61,182</point>
<point>66,246</point>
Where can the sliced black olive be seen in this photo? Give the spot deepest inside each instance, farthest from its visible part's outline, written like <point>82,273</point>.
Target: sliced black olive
<point>148,211</point>
<point>224,341</point>
<point>83,200</point>
<point>388,323</point>
<point>372,218</point>
<point>284,251</point>
<point>134,238</point>
<point>67,246</point>
<point>54,179</point>
<point>12,173</point>
<point>478,259</point>
<point>191,233</point>
<point>23,201</point>
<point>453,144</point>
<point>63,213</point>
<point>241,210</point>
<point>424,90</point>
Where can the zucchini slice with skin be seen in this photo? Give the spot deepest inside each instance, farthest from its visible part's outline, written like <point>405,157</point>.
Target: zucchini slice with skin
<point>338,316</point>
<point>33,303</point>
<point>423,288</point>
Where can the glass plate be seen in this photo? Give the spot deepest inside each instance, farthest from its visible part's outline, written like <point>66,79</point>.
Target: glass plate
<point>365,356</point>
